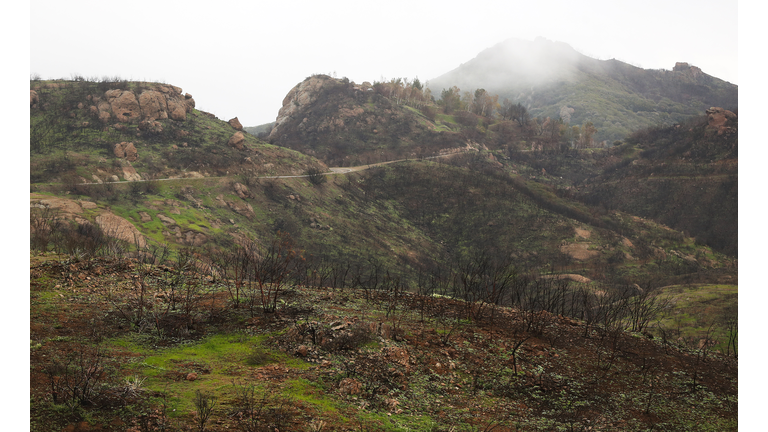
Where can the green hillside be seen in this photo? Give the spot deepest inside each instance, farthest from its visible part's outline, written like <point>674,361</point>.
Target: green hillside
<point>552,80</point>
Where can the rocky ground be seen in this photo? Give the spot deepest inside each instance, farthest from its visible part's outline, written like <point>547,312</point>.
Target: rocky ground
<point>337,360</point>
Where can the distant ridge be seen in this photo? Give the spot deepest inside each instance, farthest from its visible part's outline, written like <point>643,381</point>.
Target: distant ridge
<point>554,80</point>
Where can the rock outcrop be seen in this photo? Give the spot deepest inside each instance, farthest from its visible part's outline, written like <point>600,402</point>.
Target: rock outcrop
<point>124,105</point>
<point>720,120</point>
<point>685,67</point>
<point>159,102</point>
<point>299,96</point>
<point>237,141</point>
<point>126,150</point>
<point>235,123</point>
<point>118,227</point>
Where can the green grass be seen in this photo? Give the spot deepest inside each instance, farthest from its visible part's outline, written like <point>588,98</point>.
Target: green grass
<point>215,359</point>
<point>695,308</point>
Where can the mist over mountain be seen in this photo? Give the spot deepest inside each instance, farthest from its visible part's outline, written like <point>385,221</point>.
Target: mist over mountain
<point>551,79</point>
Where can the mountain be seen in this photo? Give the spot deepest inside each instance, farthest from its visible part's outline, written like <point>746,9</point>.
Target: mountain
<point>551,79</point>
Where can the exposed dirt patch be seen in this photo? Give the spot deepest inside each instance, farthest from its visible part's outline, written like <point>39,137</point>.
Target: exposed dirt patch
<point>583,233</point>
<point>572,277</point>
<point>63,205</point>
<point>579,251</point>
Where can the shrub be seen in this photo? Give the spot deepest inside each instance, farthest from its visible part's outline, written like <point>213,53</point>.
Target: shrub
<point>259,357</point>
<point>355,337</point>
<point>77,378</point>
<point>316,177</point>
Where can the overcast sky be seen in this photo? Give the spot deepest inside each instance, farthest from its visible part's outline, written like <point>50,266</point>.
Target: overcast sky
<point>240,58</point>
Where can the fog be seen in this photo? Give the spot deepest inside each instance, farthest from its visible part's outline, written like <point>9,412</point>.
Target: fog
<point>514,63</point>
<point>241,58</point>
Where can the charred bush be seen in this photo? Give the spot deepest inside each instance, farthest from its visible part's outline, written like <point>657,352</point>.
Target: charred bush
<point>350,339</point>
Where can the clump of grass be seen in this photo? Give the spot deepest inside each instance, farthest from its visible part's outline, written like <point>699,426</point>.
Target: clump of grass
<point>259,357</point>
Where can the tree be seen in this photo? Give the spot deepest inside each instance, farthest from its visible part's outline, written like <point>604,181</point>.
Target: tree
<point>451,99</point>
<point>587,133</point>
<point>484,103</point>
<point>553,130</point>
<point>520,114</point>
<point>271,269</point>
<point>505,111</point>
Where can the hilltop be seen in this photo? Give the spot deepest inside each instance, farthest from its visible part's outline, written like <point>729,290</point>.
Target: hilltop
<point>551,79</point>
<point>145,130</point>
<point>345,124</point>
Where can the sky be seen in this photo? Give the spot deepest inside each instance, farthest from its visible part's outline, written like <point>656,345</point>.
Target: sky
<point>240,58</point>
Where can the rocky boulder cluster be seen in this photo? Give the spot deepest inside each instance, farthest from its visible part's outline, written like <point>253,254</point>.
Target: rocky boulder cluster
<point>158,103</point>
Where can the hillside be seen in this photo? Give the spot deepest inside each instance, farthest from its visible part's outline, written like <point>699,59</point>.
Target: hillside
<point>85,131</point>
<point>551,79</point>
<point>540,209</point>
<point>201,251</point>
<point>684,176</point>
<point>343,359</point>
<point>345,124</point>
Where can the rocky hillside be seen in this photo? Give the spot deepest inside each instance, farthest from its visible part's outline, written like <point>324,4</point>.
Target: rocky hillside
<point>83,131</point>
<point>552,80</point>
<point>345,124</point>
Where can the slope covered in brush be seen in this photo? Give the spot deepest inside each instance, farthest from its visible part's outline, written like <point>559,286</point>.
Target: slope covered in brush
<point>684,176</point>
<point>345,124</point>
<point>551,79</point>
<point>86,131</point>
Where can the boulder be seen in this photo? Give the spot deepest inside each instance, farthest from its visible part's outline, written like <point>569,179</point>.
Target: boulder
<point>235,123</point>
<point>124,105</point>
<point>130,174</point>
<point>242,191</point>
<point>153,105</point>
<point>126,150</point>
<point>237,141</point>
<point>33,99</point>
<point>177,109</point>
<point>103,110</point>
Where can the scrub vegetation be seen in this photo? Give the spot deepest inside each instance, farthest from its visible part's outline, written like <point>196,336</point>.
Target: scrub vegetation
<point>456,271</point>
